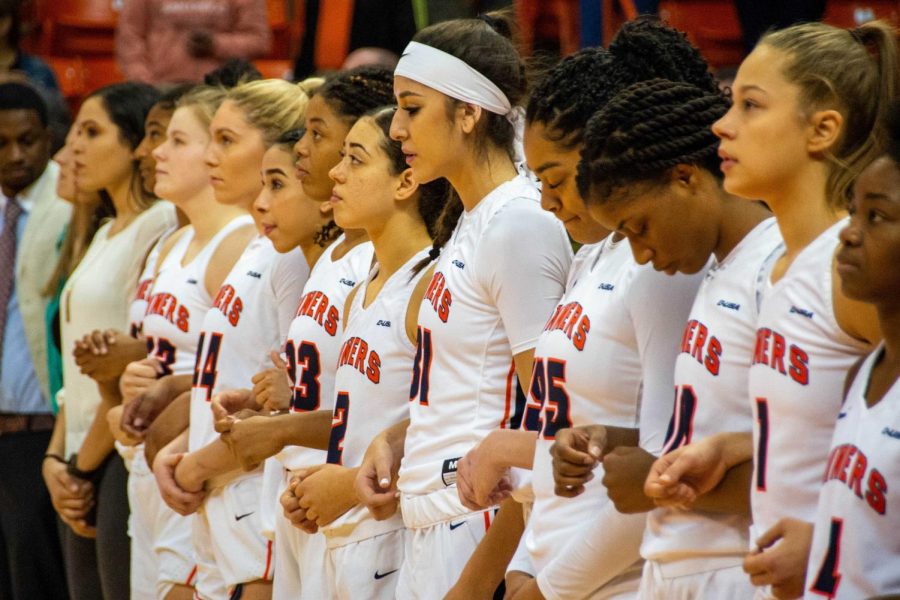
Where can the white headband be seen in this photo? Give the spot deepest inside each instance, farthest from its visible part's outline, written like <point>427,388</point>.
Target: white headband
<point>451,76</point>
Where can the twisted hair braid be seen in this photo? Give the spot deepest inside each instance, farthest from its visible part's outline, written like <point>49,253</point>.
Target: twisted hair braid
<point>355,92</point>
<point>644,131</point>
<point>586,81</point>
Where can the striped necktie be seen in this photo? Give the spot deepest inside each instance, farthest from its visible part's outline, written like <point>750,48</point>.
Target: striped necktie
<point>7,261</point>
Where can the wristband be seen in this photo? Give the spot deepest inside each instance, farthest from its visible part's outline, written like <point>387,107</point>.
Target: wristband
<point>74,471</point>
<point>55,457</point>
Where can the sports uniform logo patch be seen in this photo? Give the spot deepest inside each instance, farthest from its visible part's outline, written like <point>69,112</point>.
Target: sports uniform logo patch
<point>383,323</point>
<point>348,282</point>
<point>459,263</point>
<point>448,471</point>
<point>606,287</point>
<point>254,274</point>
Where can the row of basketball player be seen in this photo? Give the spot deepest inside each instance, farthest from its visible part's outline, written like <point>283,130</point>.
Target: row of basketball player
<point>364,363</point>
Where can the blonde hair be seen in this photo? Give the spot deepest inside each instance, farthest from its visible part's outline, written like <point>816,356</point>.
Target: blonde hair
<point>271,105</point>
<point>852,71</point>
<point>203,100</point>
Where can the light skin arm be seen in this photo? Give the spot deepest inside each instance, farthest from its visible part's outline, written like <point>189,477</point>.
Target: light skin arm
<point>99,441</point>
<point>256,438</point>
<point>680,477</point>
<point>71,497</point>
<point>376,481</point>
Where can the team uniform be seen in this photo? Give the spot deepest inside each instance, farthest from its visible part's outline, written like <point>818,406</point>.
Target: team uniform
<point>490,295</point>
<point>175,309</point>
<point>252,308</point>
<point>143,497</point>
<point>694,554</point>
<point>855,550</point>
<point>312,347</point>
<point>799,363</point>
<point>371,385</point>
<point>588,369</point>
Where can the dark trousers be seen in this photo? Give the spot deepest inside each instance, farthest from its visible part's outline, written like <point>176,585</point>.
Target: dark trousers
<point>31,563</point>
<point>99,568</point>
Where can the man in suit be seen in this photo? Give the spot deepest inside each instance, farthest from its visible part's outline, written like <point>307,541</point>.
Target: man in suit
<point>32,218</point>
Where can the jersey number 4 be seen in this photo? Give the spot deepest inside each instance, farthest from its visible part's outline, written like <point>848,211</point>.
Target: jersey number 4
<point>681,425</point>
<point>205,377</point>
<point>828,579</point>
<point>548,407</point>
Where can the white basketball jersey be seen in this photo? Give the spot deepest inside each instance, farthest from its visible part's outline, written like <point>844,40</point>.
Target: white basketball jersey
<point>138,307</point>
<point>800,360</point>
<point>711,390</point>
<point>248,319</point>
<point>587,369</point>
<point>371,383</point>
<point>179,300</point>
<point>314,338</point>
<point>856,547</point>
<point>464,382</point>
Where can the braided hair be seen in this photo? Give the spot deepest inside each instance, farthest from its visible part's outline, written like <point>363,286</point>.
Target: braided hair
<point>645,131</point>
<point>583,83</point>
<point>354,92</point>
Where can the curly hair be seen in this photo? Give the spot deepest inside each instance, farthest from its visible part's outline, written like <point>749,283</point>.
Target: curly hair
<point>582,84</point>
<point>644,131</point>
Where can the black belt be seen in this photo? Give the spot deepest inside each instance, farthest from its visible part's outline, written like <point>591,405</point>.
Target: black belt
<point>12,423</point>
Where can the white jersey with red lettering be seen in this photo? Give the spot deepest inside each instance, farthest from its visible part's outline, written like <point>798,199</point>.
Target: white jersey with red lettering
<point>371,383</point>
<point>800,360</point>
<point>179,301</point>
<point>711,394</point>
<point>495,282</point>
<point>312,347</point>
<point>605,347</point>
<point>314,337</point>
<point>249,319</point>
<point>374,368</point>
<point>138,307</point>
<point>855,549</point>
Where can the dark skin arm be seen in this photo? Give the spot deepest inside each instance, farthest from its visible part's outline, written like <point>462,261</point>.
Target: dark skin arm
<point>487,566</point>
<point>167,426</point>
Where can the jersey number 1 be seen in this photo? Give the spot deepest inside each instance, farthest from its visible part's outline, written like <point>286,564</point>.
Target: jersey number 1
<point>421,367</point>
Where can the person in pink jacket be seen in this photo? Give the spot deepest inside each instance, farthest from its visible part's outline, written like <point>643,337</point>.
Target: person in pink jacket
<point>180,40</point>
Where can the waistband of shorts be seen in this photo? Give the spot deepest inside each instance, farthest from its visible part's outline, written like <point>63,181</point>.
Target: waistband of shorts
<point>357,525</point>
<point>675,566</point>
<point>439,506</point>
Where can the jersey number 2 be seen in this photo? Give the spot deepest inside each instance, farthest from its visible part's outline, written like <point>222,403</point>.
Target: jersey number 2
<point>338,428</point>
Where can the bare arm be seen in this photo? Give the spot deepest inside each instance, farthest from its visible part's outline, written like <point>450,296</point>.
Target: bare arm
<point>487,565</point>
